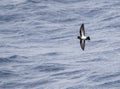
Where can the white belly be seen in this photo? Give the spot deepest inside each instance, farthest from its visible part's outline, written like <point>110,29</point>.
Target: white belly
<point>83,37</point>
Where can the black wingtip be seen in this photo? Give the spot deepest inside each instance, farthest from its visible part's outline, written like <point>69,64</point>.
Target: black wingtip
<point>82,24</point>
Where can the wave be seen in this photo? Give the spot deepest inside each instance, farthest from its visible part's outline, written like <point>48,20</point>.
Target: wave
<point>7,73</point>
<point>49,68</point>
<point>11,59</point>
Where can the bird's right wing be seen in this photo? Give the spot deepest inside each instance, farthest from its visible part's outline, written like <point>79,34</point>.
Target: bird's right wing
<point>82,30</point>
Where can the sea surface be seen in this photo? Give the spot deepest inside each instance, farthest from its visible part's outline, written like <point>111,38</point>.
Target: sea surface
<point>39,48</point>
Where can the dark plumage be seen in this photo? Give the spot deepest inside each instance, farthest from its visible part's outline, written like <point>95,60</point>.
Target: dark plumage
<point>82,37</point>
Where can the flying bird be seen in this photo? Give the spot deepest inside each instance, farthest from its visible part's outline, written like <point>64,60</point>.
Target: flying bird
<point>82,37</point>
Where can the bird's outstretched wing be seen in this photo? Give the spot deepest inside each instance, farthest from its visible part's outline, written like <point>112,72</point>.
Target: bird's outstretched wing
<point>82,30</point>
<point>82,44</point>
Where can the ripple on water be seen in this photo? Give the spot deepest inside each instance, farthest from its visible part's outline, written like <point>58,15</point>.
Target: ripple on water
<point>51,54</point>
<point>12,59</point>
<point>7,74</point>
<point>108,80</point>
<point>113,83</point>
<point>69,2</point>
<point>9,18</point>
<point>38,83</point>
<point>49,67</point>
<point>95,60</point>
<point>98,78</point>
<point>75,74</point>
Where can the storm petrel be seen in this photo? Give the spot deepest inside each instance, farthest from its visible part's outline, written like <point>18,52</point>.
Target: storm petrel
<point>82,37</point>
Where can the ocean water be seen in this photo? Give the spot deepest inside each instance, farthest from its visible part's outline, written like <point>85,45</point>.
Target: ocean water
<point>39,48</point>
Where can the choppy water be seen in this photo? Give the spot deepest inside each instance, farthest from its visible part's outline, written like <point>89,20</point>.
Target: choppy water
<point>39,48</point>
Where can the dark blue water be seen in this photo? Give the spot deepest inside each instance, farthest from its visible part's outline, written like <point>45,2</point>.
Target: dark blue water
<point>39,48</point>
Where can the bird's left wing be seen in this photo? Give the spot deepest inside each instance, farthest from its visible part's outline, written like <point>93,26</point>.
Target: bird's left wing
<point>82,44</point>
